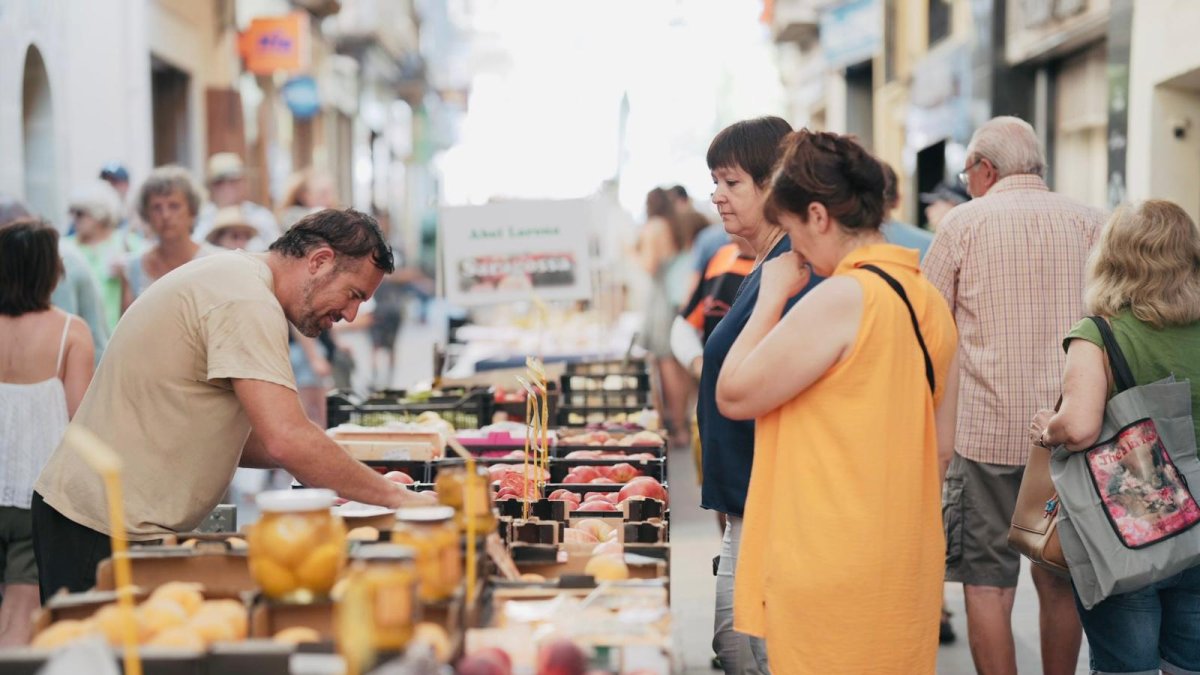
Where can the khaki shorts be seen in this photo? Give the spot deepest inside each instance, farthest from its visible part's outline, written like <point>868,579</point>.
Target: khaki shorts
<point>17,563</point>
<point>978,501</point>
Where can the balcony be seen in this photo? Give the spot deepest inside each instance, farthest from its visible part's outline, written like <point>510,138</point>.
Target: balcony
<point>389,24</point>
<point>795,21</point>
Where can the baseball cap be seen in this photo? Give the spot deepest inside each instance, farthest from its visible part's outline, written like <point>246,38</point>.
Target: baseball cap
<point>225,165</point>
<point>115,171</point>
<point>946,191</point>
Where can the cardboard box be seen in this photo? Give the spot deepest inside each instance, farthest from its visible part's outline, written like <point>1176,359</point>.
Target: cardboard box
<point>268,618</point>
<point>640,567</point>
<point>233,657</point>
<point>391,450</point>
<point>30,661</point>
<point>223,573</point>
<point>371,444</point>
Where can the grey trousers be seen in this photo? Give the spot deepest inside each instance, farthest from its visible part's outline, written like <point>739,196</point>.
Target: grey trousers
<point>740,654</point>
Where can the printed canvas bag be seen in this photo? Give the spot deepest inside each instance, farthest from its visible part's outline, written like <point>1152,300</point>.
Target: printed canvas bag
<point>1128,513</point>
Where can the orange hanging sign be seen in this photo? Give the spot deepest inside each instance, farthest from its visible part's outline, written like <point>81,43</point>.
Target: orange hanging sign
<point>277,43</point>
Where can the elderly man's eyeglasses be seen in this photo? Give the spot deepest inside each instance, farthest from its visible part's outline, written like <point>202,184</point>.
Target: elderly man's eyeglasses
<point>962,176</point>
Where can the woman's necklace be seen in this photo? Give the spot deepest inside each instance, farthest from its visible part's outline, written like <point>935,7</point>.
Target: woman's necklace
<point>771,244</point>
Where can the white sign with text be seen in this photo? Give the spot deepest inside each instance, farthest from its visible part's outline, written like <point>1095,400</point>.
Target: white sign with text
<point>512,251</point>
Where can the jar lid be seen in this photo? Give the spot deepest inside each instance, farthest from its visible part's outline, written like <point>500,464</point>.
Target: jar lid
<point>384,552</point>
<point>293,501</point>
<point>425,514</point>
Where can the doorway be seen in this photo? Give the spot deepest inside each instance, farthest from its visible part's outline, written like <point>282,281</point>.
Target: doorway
<point>931,170</point>
<point>169,102</point>
<point>37,136</point>
<point>860,104</point>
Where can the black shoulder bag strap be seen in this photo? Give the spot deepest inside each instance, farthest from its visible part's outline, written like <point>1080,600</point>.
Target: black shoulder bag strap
<point>1122,375</point>
<point>912,315</point>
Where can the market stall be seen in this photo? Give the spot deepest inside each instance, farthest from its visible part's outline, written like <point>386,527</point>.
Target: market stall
<point>548,552</point>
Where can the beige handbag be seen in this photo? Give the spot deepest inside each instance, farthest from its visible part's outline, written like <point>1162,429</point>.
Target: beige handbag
<point>1034,529</point>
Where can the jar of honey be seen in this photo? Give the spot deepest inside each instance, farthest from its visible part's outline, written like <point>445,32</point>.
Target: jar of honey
<point>297,549</point>
<point>431,533</point>
<point>380,597</point>
<point>453,483</point>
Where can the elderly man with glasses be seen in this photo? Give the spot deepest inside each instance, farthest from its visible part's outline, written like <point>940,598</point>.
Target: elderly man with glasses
<point>1011,265</point>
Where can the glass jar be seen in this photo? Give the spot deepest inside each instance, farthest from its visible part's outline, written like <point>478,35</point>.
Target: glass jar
<point>297,549</point>
<point>452,483</point>
<point>431,533</point>
<point>381,594</point>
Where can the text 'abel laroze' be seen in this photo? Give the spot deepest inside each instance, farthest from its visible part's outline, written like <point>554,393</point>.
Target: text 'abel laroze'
<point>514,232</point>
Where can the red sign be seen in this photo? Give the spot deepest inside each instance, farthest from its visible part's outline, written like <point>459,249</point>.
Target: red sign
<point>274,44</point>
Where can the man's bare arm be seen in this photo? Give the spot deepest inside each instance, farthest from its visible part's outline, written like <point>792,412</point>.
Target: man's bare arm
<point>287,438</point>
<point>254,454</point>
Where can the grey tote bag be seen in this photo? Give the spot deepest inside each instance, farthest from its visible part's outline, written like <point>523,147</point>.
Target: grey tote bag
<point>1128,516</point>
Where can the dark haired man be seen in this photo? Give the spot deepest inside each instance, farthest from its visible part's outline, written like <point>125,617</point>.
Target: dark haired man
<point>197,382</point>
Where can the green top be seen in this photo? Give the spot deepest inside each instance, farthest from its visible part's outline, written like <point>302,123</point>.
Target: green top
<point>1152,353</point>
<point>103,259</point>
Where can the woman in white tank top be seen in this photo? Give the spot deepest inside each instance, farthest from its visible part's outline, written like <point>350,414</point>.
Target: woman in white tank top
<point>45,367</point>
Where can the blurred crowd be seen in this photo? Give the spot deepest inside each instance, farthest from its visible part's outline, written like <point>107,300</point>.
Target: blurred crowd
<point>119,240</point>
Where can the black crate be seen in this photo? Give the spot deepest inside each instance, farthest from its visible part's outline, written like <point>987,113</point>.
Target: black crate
<point>515,410</point>
<point>561,451</point>
<point>418,470</point>
<point>596,391</point>
<point>609,367</point>
<point>464,408</point>
<point>654,468</point>
<point>577,416</point>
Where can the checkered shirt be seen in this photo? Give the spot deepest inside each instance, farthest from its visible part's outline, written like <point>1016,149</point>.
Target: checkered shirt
<point>1011,264</point>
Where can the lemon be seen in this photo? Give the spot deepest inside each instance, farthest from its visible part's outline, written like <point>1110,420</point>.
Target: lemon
<point>181,637</point>
<point>212,628</point>
<point>158,615</point>
<point>186,595</point>
<point>107,621</point>
<point>607,568</point>
<point>297,634</point>
<point>62,633</point>
<point>230,613</point>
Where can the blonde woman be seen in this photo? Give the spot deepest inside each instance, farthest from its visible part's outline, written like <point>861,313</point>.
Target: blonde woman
<point>1144,279</point>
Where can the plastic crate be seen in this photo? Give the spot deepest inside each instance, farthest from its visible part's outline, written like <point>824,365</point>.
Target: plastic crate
<point>462,408</point>
<point>577,416</point>
<point>515,410</point>
<point>610,367</point>
<point>654,468</point>
<point>598,391</point>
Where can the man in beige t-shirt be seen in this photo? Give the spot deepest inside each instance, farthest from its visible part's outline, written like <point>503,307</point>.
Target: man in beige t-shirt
<point>197,382</point>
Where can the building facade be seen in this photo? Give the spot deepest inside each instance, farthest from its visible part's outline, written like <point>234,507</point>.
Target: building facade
<point>286,84</point>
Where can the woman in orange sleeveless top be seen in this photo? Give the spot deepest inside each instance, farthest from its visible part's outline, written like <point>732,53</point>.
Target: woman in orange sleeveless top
<point>842,553</point>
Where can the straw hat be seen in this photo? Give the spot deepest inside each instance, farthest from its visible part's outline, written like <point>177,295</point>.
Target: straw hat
<point>230,218</point>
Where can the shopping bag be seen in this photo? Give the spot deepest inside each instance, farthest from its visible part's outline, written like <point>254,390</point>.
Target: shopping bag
<point>1127,514</point>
